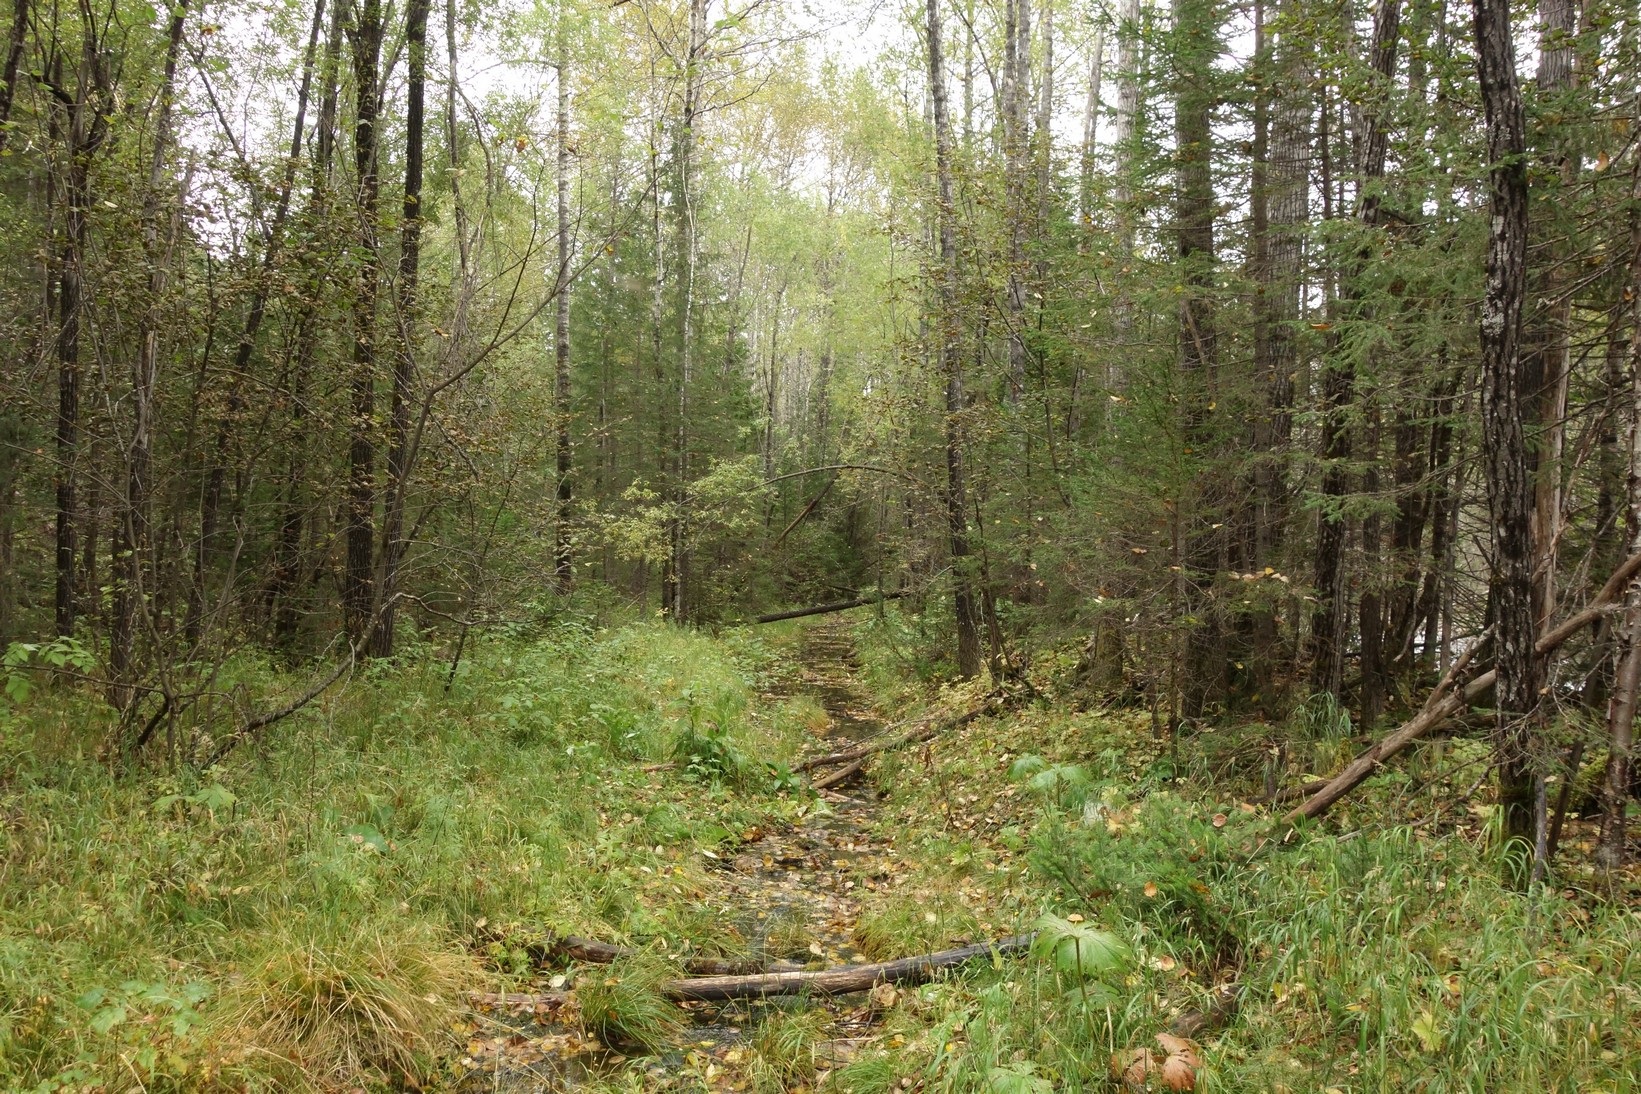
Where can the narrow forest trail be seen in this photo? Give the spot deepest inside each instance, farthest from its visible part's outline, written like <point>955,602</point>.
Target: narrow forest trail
<point>793,895</point>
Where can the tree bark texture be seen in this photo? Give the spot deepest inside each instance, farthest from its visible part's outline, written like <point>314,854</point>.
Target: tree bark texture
<point>563,563</point>
<point>1504,410</point>
<point>404,363</point>
<point>1623,703</point>
<point>363,434</point>
<point>951,362</point>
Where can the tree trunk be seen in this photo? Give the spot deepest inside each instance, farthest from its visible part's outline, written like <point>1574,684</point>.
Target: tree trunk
<point>1196,46</point>
<point>357,592</point>
<point>131,528</point>
<point>1125,123</point>
<point>288,550</point>
<point>1547,336</point>
<point>1503,408</point>
<point>16,40</point>
<point>1279,219</point>
<point>1016,154</point>
<point>1626,688</point>
<point>684,318</point>
<point>1330,623</point>
<point>951,363</point>
<point>563,563</point>
<point>1091,136</point>
<point>404,365</point>
<point>86,123</point>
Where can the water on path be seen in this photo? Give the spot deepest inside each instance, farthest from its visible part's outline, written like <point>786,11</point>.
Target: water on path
<point>793,894</point>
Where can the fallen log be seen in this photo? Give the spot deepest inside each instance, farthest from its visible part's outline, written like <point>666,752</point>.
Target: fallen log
<point>594,952</point>
<point>545,1001</point>
<point>884,743</point>
<point>1220,1010</point>
<point>1451,699</point>
<point>840,776</point>
<point>1288,793</point>
<point>838,981</point>
<point>827,609</point>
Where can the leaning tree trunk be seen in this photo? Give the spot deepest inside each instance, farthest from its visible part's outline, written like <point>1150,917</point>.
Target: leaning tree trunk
<point>951,364</point>
<point>1503,407</point>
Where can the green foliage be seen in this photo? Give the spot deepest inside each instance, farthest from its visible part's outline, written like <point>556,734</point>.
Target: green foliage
<point>783,1049</point>
<point>902,926</point>
<point>308,917</point>
<point>19,657</point>
<point>622,1004</point>
<point>1078,951</point>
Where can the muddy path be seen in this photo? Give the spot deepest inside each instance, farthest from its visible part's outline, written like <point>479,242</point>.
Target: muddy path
<point>794,894</point>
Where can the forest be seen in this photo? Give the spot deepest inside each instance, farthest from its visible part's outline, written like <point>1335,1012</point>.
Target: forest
<point>1006,546</point>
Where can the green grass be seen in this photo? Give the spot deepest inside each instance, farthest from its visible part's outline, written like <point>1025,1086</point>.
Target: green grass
<point>1379,952</point>
<point>622,1005</point>
<point>310,914</point>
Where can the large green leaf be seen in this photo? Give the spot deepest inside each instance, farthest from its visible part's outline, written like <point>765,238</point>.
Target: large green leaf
<point>1079,950</point>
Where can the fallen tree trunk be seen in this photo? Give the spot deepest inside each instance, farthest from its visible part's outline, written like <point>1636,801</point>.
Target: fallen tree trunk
<point>1219,1011</point>
<point>1450,699</point>
<point>885,742</point>
<point>827,609</point>
<point>839,981</point>
<point>841,775</point>
<point>1288,793</point>
<point>513,1000</point>
<point>594,952</point>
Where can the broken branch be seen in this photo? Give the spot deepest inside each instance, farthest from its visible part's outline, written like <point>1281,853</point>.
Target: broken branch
<point>1444,704</point>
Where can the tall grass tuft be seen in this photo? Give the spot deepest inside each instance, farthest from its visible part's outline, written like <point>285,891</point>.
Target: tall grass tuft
<point>327,1005</point>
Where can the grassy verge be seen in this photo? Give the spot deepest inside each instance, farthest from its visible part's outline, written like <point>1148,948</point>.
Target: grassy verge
<point>311,914</point>
<point>1380,952</point>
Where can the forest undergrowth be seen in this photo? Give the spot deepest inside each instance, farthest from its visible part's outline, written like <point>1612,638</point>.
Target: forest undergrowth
<point>313,913</point>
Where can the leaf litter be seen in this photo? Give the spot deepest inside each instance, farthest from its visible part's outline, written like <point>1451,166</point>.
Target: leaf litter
<point>792,894</point>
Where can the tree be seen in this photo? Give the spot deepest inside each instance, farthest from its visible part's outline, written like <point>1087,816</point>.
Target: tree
<point>563,561</point>
<point>1504,442</point>
<point>951,361</point>
<point>359,591</point>
<point>404,368</point>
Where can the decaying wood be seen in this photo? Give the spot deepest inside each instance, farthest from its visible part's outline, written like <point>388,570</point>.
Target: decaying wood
<point>594,952</point>
<point>924,731</point>
<point>840,776</point>
<point>1220,1010</point>
<point>1452,698</point>
<point>510,1000</point>
<point>1288,793</point>
<point>827,609</point>
<point>838,981</point>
